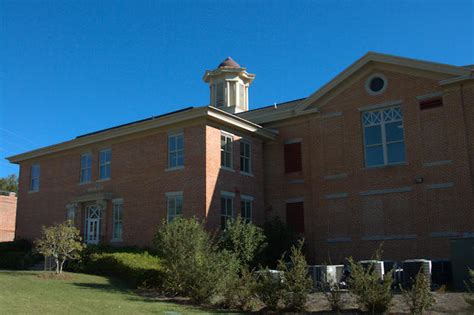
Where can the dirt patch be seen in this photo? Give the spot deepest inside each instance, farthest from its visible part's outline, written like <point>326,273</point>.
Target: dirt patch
<point>53,276</point>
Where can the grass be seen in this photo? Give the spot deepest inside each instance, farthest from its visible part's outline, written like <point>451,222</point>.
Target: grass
<point>29,292</point>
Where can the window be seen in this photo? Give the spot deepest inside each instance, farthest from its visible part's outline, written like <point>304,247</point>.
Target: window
<point>376,84</point>
<point>246,208</point>
<point>35,177</point>
<point>175,150</point>
<point>117,223</point>
<point>245,157</point>
<point>71,214</point>
<point>431,103</point>
<point>293,157</point>
<point>220,94</point>
<point>383,137</point>
<point>295,216</point>
<point>226,150</point>
<point>227,210</point>
<point>86,168</point>
<point>174,203</point>
<point>105,157</point>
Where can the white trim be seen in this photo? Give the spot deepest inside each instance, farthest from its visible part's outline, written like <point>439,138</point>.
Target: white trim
<point>429,96</point>
<point>330,115</point>
<point>246,174</point>
<point>293,140</point>
<point>246,197</point>
<point>388,237</point>
<point>440,186</point>
<point>227,134</point>
<point>339,240</point>
<point>380,105</point>
<point>225,168</point>
<point>173,193</point>
<point>336,196</point>
<point>437,163</point>
<point>370,78</point>
<point>335,176</point>
<point>117,200</point>
<point>227,194</point>
<point>294,200</point>
<point>176,168</point>
<point>386,191</point>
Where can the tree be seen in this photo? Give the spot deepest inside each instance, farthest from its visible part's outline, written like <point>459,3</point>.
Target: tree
<point>62,242</point>
<point>419,297</point>
<point>9,183</point>
<point>242,238</point>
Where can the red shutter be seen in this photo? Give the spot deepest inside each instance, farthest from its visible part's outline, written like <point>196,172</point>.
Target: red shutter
<point>437,102</point>
<point>295,216</point>
<point>293,157</point>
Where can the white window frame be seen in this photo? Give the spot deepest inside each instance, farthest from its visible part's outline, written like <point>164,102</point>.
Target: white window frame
<point>225,212</point>
<point>229,150</point>
<point>244,201</point>
<point>35,178</point>
<point>86,168</point>
<point>384,143</point>
<point>243,157</point>
<point>171,213</point>
<point>174,137</point>
<point>106,164</point>
<point>117,218</point>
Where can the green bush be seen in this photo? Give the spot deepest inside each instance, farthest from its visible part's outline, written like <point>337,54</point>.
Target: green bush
<point>269,288</point>
<point>419,297</point>
<point>17,255</point>
<point>297,284</point>
<point>242,238</point>
<point>469,297</point>
<point>333,294</point>
<point>279,238</point>
<point>370,291</point>
<point>137,269</point>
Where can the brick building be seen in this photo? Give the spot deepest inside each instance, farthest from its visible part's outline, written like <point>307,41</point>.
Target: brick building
<point>7,216</point>
<point>382,153</point>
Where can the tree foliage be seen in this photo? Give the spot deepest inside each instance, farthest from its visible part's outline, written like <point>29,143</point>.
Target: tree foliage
<point>9,183</point>
<point>419,296</point>
<point>61,242</point>
<point>242,238</point>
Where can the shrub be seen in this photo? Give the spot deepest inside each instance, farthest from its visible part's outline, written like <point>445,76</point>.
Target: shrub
<point>242,238</point>
<point>269,288</point>
<point>370,291</point>
<point>61,242</point>
<point>137,269</point>
<point>296,284</point>
<point>242,294</point>
<point>17,255</point>
<point>469,298</point>
<point>333,294</point>
<point>279,238</point>
<point>419,297</point>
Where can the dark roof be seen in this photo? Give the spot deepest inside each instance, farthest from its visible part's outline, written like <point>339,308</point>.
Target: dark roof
<point>276,104</point>
<point>134,122</point>
<point>229,63</point>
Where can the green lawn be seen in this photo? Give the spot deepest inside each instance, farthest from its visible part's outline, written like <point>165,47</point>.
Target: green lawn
<point>28,292</point>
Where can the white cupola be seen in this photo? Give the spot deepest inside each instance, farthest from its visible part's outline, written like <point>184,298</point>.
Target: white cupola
<point>229,86</point>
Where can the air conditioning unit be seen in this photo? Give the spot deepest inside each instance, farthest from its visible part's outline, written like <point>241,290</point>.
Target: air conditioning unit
<point>323,274</point>
<point>411,268</point>
<point>376,266</point>
<point>276,275</point>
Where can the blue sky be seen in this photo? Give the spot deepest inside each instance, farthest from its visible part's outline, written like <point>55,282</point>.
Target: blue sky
<point>72,67</point>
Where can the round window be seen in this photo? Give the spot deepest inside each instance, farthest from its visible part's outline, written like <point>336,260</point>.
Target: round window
<point>376,84</point>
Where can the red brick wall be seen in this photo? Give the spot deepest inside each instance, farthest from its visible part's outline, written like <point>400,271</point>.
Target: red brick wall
<point>339,220</point>
<point>7,217</point>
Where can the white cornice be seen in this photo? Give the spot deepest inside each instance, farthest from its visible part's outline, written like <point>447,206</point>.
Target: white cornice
<point>165,121</point>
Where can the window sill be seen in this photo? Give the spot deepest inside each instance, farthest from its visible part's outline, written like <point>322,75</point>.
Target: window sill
<point>385,166</point>
<point>116,240</point>
<point>227,169</point>
<point>85,183</point>
<point>33,191</point>
<point>246,174</point>
<point>103,180</point>
<point>175,168</point>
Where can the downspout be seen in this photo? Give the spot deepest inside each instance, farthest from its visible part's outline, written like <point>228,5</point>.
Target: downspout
<point>466,134</point>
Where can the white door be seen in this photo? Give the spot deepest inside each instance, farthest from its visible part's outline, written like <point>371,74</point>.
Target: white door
<point>92,227</point>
